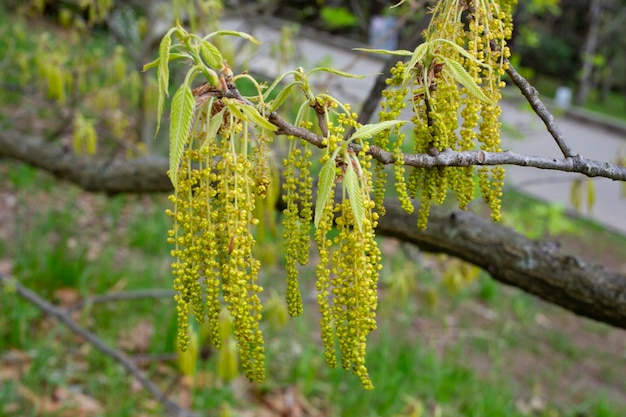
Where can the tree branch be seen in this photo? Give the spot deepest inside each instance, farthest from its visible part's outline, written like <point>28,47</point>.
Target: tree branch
<point>448,157</point>
<point>532,95</point>
<point>536,267</point>
<point>142,175</point>
<point>172,408</point>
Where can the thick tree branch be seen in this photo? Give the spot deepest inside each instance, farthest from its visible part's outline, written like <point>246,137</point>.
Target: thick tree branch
<point>538,268</point>
<point>144,175</point>
<point>172,408</point>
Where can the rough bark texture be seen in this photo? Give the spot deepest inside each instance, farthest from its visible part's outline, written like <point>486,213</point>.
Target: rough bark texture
<point>537,267</point>
<point>142,175</point>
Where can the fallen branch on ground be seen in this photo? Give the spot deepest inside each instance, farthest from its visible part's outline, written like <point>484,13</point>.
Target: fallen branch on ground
<point>172,408</point>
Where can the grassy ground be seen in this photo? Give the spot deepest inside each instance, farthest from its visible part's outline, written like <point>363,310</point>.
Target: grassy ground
<point>448,348</point>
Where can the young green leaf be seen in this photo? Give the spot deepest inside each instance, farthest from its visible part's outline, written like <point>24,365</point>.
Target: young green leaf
<point>355,194</point>
<point>173,56</point>
<point>397,52</point>
<point>214,125</point>
<point>211,54</point>
<point>459,74</point>
<point>163,75</point>
<point>233,33</point>
<point>337,72</point>
<point>253,116</point>
<point>463,52</point>
<point>281,97</point>
<point>324,189</point>
<point>418,55</point>
<point>181,117</point>
<point>367,131</point>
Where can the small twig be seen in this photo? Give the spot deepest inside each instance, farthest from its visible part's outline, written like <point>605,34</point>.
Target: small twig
<point>120,296</point>
<point>532,95</point>
<point>172,408</point>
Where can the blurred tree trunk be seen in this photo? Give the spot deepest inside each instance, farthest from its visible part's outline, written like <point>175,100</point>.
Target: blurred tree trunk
<point>589,50</point>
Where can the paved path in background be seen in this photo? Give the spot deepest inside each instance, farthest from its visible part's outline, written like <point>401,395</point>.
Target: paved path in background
<point>590,140</point>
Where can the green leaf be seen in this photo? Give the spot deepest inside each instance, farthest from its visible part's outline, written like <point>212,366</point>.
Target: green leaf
<point>459,74</point>
<point>324,189</point>
<point>211,54</point>
<point>255,117</point>
<point>173,56</point>
<point>281,97</point>
<point>249,114</point>
<point>275,83</point>
<point>163,75</point>
<point>367,131</point>
<point>355,194</point>
<point>337,72</point>
<point>234,109</point>
<point>181,117</point>
<point>397,52</point>
<point>233,33</point>
<point>214,125</point>
<point>463,52</point>
<point>418,55</point>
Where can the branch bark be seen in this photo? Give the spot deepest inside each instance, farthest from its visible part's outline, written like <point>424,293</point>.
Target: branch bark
<point>539,268</point>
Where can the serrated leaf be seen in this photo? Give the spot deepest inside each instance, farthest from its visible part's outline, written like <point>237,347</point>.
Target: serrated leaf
<point>281,97</point>
<point>459,74</point>
<point>463,52</point>
<point>324,189</point>
<point>418,55</point>
<point>367,131</point>
<point>163,76</point>
<point>253,116</point>
<point>233,33</point>
<point>355,194</point>
<point>397,52</point>
<point>183,105</point>
<point>211,54</point>
<point>337,72</point>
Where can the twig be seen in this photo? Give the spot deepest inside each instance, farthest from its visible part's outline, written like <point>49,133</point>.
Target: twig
<point>172,408</point>
<point>532,95</point>
<point>120,296</point>
<point>448,157</point>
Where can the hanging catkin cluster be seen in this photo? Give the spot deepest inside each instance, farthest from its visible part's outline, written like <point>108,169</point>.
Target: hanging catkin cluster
<point>457,70</point>
<point>213,206</point>
<point>347,273</point>
<point>220,168</point>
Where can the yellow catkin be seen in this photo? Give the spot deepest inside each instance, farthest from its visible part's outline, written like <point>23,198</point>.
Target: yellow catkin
<point>212,234</point>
